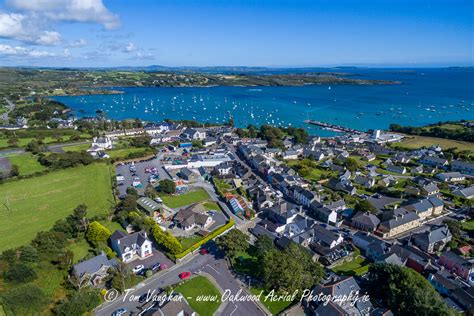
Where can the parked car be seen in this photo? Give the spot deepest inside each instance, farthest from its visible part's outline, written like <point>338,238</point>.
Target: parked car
<point>156,267</point>
<point>138,268</point>
<point>184,275</point>
<point>203,251</point>
<point>119,312</point>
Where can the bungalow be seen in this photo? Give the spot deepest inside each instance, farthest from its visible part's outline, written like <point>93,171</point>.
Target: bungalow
<point>397,169</point>
<point>365,221</point>
<point>463,166</point>
<point>401,222</point>
<point>433,240</point>
<point>451,176</point>
<point>131,247</point>
<point>91,272</point>
<point>434,161</point>
<point>467,193</point>
<point>457,265</point>
<point>193,216</point>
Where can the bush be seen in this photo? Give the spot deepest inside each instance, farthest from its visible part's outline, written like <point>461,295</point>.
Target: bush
<point>20,273</point>
<point>26,299</point>
<point>97,233</point>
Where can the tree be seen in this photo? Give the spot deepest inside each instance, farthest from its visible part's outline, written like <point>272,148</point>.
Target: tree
<point>26,299</point>
<point>97,233</point>
<point>404,291</point>
<point>79,303</point>
<point>14,171</point>
<point>263,245</point>
<point>150,191</point>
<point>351,164</point>
<point>141,141</point>
<point>12,141</point>
<point>20,273</point>
<point>290,270</point>
<point>28,254</point>
<point>65,259</point>
<point>49,244</point>
<point>167,186</point>
<point>365,206</point>
<point>233,242</point>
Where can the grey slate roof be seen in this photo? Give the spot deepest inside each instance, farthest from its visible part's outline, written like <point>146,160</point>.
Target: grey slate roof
<point>93,265</point>
<point>402,218</point>
<point>137,238</point>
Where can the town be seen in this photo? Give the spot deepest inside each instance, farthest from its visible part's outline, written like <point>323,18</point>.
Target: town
<point>217,209</point>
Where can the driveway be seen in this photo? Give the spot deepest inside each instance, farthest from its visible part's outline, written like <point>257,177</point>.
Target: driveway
<point>157,257</point>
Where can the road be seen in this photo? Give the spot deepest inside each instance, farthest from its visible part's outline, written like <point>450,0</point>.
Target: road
<point>212,264</point>
<point>52,148</point>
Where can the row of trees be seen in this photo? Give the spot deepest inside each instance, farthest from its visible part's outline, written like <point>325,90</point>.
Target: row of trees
<point>274,135</point>
<point>462,133</point>
<point>65,160</point>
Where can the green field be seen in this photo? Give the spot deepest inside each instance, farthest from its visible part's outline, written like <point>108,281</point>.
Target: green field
<point>32,205</point>
<point>27,163</point>
<point>80,147</point>
<point>200,286</point>
<point>414,142</point>
<point>175,201</point>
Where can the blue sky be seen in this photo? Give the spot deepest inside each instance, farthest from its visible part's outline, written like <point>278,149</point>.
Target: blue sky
<point>236,33</point>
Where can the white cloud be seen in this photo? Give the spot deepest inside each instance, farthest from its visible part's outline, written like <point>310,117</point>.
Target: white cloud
<point>130,48</point>
<point>78,43</point>
<point>26,29</point>
<point>92,11</point>
<point>20,51</point>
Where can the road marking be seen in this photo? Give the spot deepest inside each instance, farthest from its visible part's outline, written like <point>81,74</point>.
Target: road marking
<point>236,307</point>
<point>207,265</point>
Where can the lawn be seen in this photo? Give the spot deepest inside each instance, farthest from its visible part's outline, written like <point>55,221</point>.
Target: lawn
<point>275,307</point>
<point>113,226</point>
<point>123,153</point>
<point>187,242</point>
<point>357,266</point>
<point>27,163</point>
<point>80,147</point>
<point>468,226</point>
<point>31,205</point>
<point>80,249</point>
<point>175,201</point>
<point>413,142</point>
<point>211,206</point>
<point>200,286</point>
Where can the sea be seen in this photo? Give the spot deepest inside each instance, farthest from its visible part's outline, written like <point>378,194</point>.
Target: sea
<point>424,96</point>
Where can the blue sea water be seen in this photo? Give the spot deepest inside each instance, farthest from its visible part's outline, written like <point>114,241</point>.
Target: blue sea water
<point>424,96</point>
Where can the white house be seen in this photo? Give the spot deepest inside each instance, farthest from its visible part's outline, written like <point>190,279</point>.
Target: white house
<point>194,134</point>
<point>131,247</point>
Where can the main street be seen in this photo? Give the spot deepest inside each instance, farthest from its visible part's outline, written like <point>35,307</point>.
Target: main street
<point>212,264</point>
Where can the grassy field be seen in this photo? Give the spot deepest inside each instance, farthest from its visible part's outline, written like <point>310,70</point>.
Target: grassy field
<point>27,163</point>
<point>175,201</point>
<point>357,266</point>
<point>80,147</point>
<point>413,142</point>
<point>32,205</point>
<point>275,307</point>
<point>80,249</point>
<point>200,286</point>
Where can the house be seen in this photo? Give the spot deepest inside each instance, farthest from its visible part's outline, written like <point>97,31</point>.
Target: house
<point>416,170</point>
<point>223,169</point>
<point>451,176</point>
<point>193,216</point>
<point>337,288</point>
<point>463,167</point>
<point>467,193</point>
<point>372,247</point>
<point>365,221</point>
<point>175,305</point>
<point>427,207</point>
<point>187,174</point>
<point>209,141</point>
<point>429,189</point>
<point>281,215</point>
<point>387,180</point>
<point>323,213</point>
<point>367,182</point>
<point>397,169</point>
<point>457,265</point>
<point>91,272</point>
<point>434,161</point>
<point>194,134</point>
<point>433,240</point>
<point>369,157</point>
<point>413,257</point>
<point>325,237</point>
<point>132,246</point>
<point>289,155</point>
<point>305,197</point>
<point>102,142</point>
<point>148,205</point>
<point>401,221</point>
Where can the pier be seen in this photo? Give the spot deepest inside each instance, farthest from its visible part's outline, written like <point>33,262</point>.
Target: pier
<point>334,127</point>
